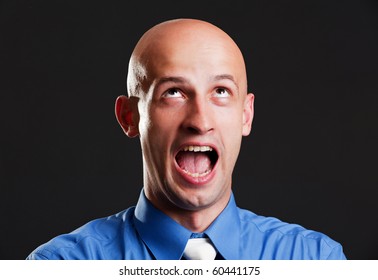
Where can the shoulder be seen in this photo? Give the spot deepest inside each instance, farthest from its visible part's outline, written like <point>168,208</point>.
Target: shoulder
<point>281,240</point>
<point>83,243</point>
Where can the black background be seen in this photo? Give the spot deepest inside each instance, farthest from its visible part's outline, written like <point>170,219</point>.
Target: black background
<point>310,159</point>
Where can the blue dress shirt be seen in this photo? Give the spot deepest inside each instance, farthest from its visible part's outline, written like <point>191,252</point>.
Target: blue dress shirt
<point>144,232</point>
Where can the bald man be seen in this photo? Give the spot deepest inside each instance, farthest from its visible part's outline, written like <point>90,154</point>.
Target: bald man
<point>189,105</point>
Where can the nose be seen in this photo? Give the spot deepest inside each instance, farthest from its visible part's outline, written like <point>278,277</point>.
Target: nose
<point>198,117</point>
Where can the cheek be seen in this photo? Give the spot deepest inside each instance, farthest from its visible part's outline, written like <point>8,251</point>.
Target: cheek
<point>159,131</point>
<point>153,121</point>
<point>167,118</point>
<point>231,127</point>
<point>230,120</point>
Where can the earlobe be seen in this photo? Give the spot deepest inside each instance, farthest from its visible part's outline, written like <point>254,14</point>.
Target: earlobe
<point>248,113</point>
<point>124,112</point>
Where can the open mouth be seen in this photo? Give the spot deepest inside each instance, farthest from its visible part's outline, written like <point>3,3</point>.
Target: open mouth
<point>197,161</point>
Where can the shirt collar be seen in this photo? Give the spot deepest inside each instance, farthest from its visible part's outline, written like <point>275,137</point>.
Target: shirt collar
<point>224,232</point>
<point>166,239</point>
<point>163,236</point>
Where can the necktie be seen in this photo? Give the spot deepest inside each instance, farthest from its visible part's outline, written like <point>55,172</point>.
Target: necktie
<point>199,249</point>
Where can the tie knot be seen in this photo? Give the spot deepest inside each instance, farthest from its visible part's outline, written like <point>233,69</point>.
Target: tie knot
<point>199,248</point>
<point>198,235</point>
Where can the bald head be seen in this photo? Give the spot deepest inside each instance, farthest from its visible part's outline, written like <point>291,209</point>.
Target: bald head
<point>189,80</point>
<point>185,43</point>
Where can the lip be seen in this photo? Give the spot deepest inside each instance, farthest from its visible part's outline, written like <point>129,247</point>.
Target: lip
<point>197,181</point>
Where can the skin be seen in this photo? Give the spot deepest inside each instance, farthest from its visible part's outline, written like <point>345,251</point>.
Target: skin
<point>187,85</point>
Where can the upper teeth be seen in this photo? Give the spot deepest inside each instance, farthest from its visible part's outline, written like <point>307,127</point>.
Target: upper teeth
<point>197,149</point>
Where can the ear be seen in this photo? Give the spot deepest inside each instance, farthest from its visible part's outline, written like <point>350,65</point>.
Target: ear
<point>126,112</point>
<point>248,112</point>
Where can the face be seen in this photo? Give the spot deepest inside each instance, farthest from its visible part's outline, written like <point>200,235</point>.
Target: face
<point>193,112</point>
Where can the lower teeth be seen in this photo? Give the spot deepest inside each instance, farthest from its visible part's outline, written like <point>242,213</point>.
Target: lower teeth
<point>196,175</point>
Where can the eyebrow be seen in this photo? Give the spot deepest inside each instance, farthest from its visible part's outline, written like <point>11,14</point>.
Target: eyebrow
<point>173,79</point>
<point>226,77</point>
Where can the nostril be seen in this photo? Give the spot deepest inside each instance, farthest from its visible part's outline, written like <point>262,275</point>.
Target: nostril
<point>199,129</point>
<point>192,129</point>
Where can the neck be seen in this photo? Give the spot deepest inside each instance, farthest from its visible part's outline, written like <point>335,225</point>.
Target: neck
<point>196,219</point>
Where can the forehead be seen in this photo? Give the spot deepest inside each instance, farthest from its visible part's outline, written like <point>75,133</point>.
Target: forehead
<point>197,52</point>
<point>184,59</point>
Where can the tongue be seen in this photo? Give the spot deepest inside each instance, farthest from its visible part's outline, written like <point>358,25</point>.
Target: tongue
<point>194,162</point>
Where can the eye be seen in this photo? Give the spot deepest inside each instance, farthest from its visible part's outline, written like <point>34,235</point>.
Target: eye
<point>221,92</point>
<point>172,93</point>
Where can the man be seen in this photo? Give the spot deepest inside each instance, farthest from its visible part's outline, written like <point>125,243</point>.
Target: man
<point>188,103</point>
